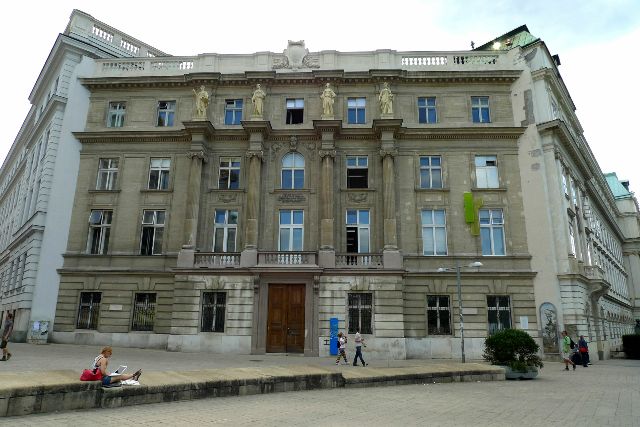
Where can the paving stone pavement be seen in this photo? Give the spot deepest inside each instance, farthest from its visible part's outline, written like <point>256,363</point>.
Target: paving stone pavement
<point>604,394</point>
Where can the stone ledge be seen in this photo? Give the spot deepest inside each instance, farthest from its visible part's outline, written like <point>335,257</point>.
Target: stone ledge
<point>31,392</point>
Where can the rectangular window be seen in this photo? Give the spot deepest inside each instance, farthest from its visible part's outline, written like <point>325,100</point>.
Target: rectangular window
<point>213,309</point>
<point>438,315</point>
<point>166,113</point>
<point>99,231</point>
<point>357,172</point>
<point>499,313</point>
<point>427,110</point>
<point>360,313</point>
<point>358,231</point>
<point>159,174</point>
<point>487,172</point>
<point>144,312</point>
<point>356,110</point>
<point>430,172</point>
<point>225,230</point>
<point>492,231</point>
<point>480,109</point>
<point>229,174</point>
<point>434,232</point>
<point>565,187</point>
<point>572,239</point>
<point>233,111</point>
<point>291,230</point>
<point>115,117</point>
<point>295,111</point>
<point>574,197</point>
<point>89,310</point>
<point>107,174</point>
<point>152,232</point>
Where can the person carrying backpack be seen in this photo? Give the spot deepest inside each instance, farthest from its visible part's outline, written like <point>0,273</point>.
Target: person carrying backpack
<point>583,347</point>
<point>567,346</point>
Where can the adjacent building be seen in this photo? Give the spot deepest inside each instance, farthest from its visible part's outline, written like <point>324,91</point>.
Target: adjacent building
<point>39,174</point>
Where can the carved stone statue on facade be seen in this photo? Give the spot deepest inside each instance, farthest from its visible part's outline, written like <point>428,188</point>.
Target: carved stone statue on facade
<point>258,99</point>
<point>328,97</point>
<point>386,100</point>
<point>202,102</point>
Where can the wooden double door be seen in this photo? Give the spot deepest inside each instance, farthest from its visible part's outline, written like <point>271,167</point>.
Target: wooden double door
<point>285,319</point>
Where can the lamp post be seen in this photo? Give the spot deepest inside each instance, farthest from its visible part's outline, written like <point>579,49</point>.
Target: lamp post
<point>474,264</point>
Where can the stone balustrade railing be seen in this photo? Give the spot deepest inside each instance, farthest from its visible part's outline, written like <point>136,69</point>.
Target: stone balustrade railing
<point>287,258</point>
<point>593,272</point>
<point>215,259</point>
<point>359,261</point>
<point>328,60</point>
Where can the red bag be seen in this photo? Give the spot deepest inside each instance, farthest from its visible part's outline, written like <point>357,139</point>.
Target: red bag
<point>583,349</point>
<point>88,375</point>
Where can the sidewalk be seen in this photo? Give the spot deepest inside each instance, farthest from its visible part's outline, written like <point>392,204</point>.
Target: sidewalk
<point>46,378</point>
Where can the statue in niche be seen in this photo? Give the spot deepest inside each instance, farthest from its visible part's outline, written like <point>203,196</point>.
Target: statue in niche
<point>549,320</point>
<point>257,99</point>
<point>328,97</point>
<point>202,102</point>
<point>386,100</point>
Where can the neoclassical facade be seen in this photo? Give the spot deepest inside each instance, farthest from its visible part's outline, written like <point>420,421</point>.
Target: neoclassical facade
<point>39,173</point>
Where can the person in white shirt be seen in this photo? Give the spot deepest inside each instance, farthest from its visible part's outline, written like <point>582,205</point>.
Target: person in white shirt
<point>342,348</point>
<point>359,343</point>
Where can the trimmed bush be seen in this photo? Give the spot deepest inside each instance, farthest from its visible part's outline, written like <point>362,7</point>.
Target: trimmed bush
<point>513,348</point>
<point>631,346</point>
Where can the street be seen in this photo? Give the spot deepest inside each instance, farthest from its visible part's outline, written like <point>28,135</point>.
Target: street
<point>606,393</point>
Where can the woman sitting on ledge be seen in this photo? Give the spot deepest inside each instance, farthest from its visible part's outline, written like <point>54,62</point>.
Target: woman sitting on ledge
<point>99,370</point>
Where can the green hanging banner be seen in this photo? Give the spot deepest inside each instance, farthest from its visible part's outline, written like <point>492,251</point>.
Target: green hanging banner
<point>471,208</point>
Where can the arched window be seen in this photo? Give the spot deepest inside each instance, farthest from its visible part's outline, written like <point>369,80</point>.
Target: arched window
<point>293,171</point>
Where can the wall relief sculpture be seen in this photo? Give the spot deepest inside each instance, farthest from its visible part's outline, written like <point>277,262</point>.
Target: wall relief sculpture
<point>549,323</point>
<point>296,56</point>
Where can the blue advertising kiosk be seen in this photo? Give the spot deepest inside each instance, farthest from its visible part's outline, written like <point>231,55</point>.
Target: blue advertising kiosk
<point>333,336</point>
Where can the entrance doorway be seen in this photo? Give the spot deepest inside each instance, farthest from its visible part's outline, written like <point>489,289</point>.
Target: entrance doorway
<point>285,319</point>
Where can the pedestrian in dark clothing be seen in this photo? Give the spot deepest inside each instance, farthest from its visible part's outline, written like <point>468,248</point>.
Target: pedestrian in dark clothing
<point>584,350</point>
<point>6,334</point>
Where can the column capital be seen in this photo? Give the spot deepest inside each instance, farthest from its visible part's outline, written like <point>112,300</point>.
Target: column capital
<point>327,153</point>
<point>254,153</point>
<point>197,154</point>
<point>391,152</point>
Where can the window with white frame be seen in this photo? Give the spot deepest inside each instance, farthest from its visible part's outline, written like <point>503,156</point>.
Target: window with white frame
<point>166,113</point>
<point>480,109</point>
<point>233,111</point>
<point>565,186</point>
<point>427,110</point>
<point>214,305</point>
<point>499,313</point>
<point>295,111</point>
<point>360,312</point>
<point>152,232</point>
<point>357,172</point>
<point>358,231</point>
<point>115,117</point>
<point>492,231</point>
<point>572,239</point>
<point>107,174</point>
<point>356,110</point>
<point>291,230</point>
<point>159,174</point>
<point>438,315</point>
<point>292,171</point>
<point>487,172</point>
<point>574,197</point>
<point>434,232</point>
<point>99,232</point>
<point>430,172</point>
<point>225,230</point>
<point>229,173</point>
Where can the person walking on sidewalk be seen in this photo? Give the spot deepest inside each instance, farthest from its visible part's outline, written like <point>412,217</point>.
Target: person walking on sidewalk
<point>584,350</point>
<point>359,343</point>
<point>566,351</point>
<point>6,334</point>
<point>342,348</point>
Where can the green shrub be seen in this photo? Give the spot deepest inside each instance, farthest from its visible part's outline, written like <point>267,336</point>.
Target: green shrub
<point>514,348</point>
<point>631,346</point>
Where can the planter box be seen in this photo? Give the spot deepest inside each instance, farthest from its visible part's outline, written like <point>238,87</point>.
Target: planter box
<point>510,374</point>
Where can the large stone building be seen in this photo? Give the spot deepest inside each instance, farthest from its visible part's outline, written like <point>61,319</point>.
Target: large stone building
<point>237,203</point>
<point>41,168</point>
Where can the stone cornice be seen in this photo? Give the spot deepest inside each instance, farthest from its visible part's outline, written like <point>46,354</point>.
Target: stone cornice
<point>257,126</point>
<point>569,145</point>
<point>133,136</point>
<point>462,133</point>
<point>200,127</point>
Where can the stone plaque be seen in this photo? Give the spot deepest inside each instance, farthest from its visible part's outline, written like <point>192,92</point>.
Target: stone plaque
<point>115,307</point>
<point>292,198</point>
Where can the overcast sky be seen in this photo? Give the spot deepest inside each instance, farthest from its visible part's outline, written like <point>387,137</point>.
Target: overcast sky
<point>597,42</point>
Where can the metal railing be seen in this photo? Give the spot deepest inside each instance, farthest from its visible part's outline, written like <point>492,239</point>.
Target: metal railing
<point>89,310</point>
<point>144,312</point>
<point>366,260</point>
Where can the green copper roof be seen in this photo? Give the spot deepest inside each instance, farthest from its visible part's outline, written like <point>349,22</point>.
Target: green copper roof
<point>517,37</point>
<point>619,191</point>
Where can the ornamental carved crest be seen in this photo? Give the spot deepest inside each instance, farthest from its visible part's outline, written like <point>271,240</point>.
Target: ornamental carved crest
<point>296,56</point>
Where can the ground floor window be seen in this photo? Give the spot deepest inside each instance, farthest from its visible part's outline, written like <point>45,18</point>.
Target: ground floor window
<point>360,313</point>
<point>499,309</point>
<point>438,315</point>
<point>144,312</point>
<point>213,309</point>
<point>89,310</point>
